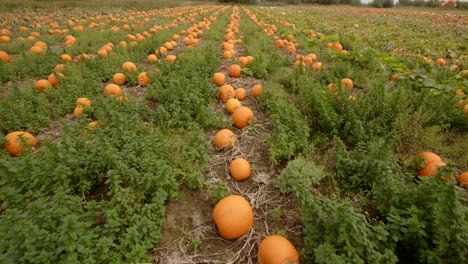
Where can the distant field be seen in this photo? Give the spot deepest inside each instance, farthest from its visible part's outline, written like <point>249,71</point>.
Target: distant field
<point>196,132</point>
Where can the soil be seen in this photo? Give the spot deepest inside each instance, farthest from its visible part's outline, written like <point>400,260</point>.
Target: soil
<point>52,133</point>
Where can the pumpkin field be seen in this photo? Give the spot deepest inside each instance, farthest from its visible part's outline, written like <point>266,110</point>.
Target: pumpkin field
<point>218,133</point>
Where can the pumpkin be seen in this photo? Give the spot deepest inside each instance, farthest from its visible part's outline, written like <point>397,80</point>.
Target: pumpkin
<point>277,250</point>
<point>66,57</point>
<point>256,90</point>
<point>338,47</point>
<point>161,50</point>
<point>234,71</point>
<point>41,44</point>
<point>430,168</point>
<point>103,53</point>
<point>4,39</point>
<point>42,84</point>
<point>233,216</point>
<point>241,94</point>
<point>426,157</point>
<point>59,68</point>
<point>243,61</point>
<point>112,89</point>
<point>312,56</point>
<point>85,102</point>
<point>143,78</point>
<point>123,44</point>
<point>347,83</point>
<point>79,109</point>
<point>171,58</point>
<point>119,79</point>
<point>232,104</point>
<point>4,57</point>
<point>53,80</point>
<point>463,179</point>
<point>228,54</point>
<point>226,91</point>
<point>15,141</point>
<point>240,169</point>
<point>152,58</point>
<point>225,139</point>
<point>242,116</point>
<point>129,67</point>
<point>83,58</point>
<point>316,66</point>
<point>219,78</point>
<point>36,50</point>
<point>441,62</point>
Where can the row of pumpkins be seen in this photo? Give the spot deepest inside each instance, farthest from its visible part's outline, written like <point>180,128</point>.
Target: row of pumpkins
<point>233,215</point>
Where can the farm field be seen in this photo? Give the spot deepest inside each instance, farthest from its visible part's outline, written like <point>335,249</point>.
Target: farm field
<point>233,134</point>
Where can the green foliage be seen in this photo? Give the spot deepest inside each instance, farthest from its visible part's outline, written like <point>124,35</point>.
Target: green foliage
<point>99,196</point>
<point>268,60</point>
<point>298,172</point>
<point>335,232</point>
<point>293,2</point>
<point>427,219</point>
<point>291,133</point>
<point>217,191</point>
<point>364,166</point>
<point>184,90</point>
<point>383,3</point>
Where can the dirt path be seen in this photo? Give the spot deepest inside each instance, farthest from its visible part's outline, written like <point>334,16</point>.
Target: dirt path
<point>189,234</point>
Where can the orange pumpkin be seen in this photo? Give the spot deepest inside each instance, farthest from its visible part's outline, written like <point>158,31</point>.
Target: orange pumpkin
<point>171,58</point>
<point>143,78</point>
<point>240,169</point>
<point>53,80</point>
<point>103,53</point>
<point>225,139</point>
<point>152,58</point>
<point>243,61</point>
<point>129,67</point>
<point>233,216</point>
<point>241,94</point>
<point>79,109</point>
<point>91,127</point>
<point>256,90</point>
<point>234,71</point>
<point>36,50</point>
<point>430,168</point>
<point>347,83</point>
<point>119,79</point>
<point>4,57</point>
<point>463,179</point>
<point>15,141</point>
<point>219,78</point>
<point>242,116</point>
<point>85,102</point>
<point>426,157</point>
<point>42,85</point>
<point>232,104</point>
<point>66,57</point>
<point>441,62</point>
<point>277,250</point>
<point>59,68</point>
<point>112,89</point>
<point>226,91</point>
<point>316,66</point>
